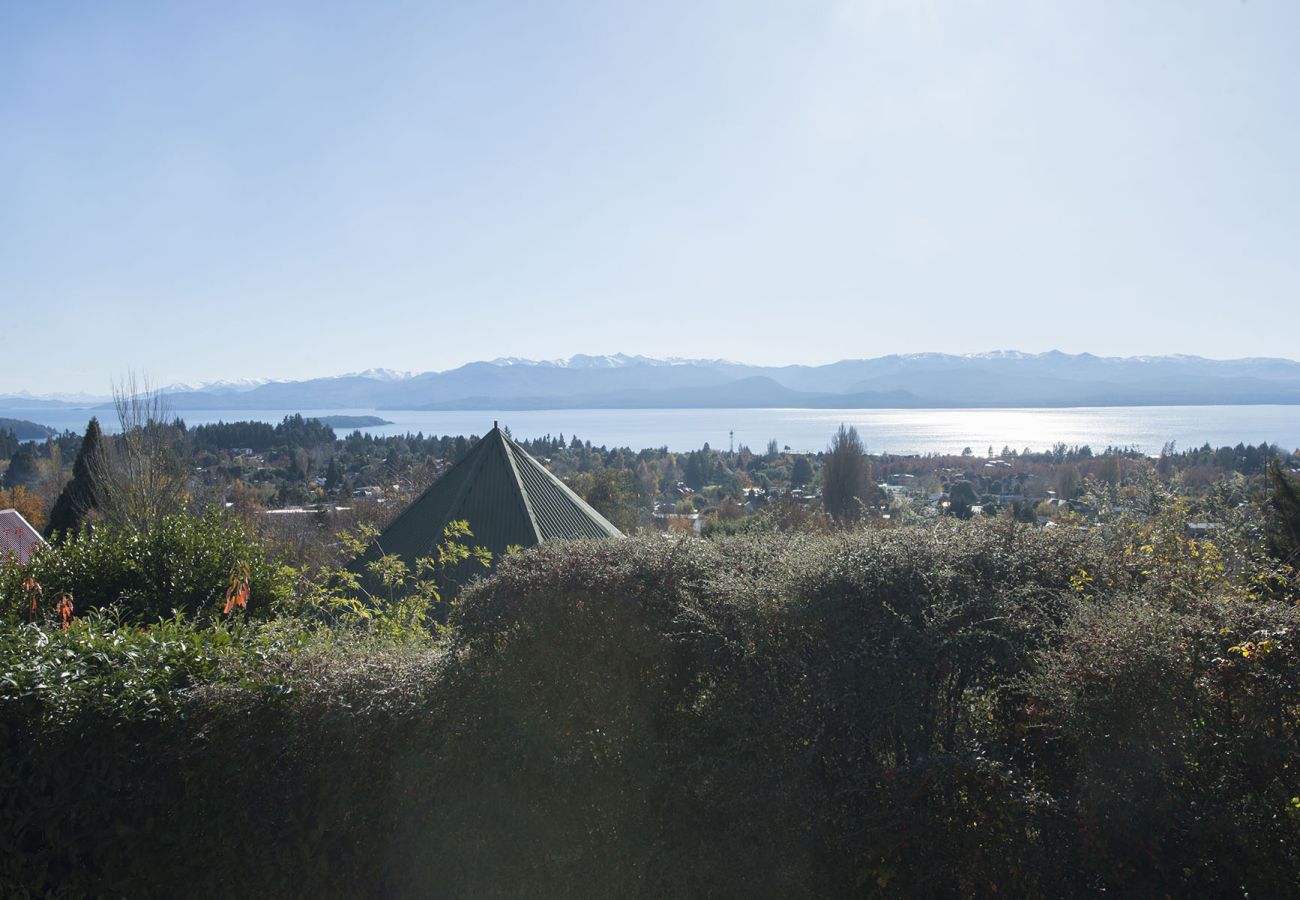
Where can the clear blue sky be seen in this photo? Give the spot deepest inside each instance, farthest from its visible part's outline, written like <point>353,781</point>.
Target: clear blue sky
<point>223,190</point>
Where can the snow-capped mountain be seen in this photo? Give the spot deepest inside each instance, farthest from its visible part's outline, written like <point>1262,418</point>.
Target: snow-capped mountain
<point>996,379</point>
<point>378,375</point>
<point>232,386</point>
<point>613,361</point>
<point>61,397</point>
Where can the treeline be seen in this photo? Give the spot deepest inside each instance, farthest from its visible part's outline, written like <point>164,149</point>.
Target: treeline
<point>293,432</point>
<point>1063,453</point>
<point>1243,458</point>
<point>300,462</point>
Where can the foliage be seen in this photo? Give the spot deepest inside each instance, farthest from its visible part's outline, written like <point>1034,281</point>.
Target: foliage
<point>400,600</point>
<point>184,564</point>
<point>846,477</point>
<point>140,477</point>
<point>98,722</point>
<point>1284,516</point>
<point>292,431</point>
<point>29,505</point>
<point>965,709</point>
<point>801,472</point>
<point>14,430</point>
<point>962,496</point>
<point>612,494</point>
<point>24,467</point>
<point>78,496</point>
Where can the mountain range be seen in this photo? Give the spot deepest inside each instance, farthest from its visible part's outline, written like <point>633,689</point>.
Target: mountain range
<point>922,380</point>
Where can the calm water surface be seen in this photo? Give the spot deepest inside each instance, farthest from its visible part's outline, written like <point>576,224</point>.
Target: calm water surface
<point>1147,428</point>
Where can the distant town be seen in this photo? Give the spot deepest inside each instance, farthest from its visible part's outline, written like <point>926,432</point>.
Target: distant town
<point>300,480</point>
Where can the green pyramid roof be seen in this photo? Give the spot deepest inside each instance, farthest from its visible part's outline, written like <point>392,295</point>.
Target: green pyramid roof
<point>506,496</point>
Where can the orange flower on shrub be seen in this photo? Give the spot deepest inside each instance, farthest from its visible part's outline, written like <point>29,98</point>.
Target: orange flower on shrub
<point>237,593</point>
<point>64,609</point>
<point>33,587</point>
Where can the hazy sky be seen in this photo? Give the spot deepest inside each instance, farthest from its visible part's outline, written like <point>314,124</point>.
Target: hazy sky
<point>223,190</point>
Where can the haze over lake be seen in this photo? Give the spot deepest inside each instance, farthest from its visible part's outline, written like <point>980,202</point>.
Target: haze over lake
<point>901,431</point>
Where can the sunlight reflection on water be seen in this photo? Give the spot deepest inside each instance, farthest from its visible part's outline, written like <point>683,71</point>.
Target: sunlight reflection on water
<point>1147,428</point>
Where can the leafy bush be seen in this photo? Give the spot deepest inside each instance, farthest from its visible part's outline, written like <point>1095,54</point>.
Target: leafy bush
<point>181,760</point>
<point>963,710</point>
<point>185,564</point>
<point>787,697</point>
<point>1168,736</point>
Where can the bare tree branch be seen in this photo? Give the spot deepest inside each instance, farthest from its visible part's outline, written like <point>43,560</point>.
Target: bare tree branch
<point>140,478</point>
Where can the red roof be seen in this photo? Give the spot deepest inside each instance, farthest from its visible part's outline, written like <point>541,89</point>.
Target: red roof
<point>17,537</point>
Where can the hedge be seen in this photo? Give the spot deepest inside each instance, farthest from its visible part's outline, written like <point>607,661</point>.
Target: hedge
<point>965,710</point>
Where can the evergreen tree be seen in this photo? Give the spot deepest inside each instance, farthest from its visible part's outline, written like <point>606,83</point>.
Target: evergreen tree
<point>846,476</point>
<point>962,497</point>
<point>24,468</point>
<point>1284,519</point>
<point>333,475</point>
<point>801,472</point>
<point>694,475</point>
<point>78,495</point>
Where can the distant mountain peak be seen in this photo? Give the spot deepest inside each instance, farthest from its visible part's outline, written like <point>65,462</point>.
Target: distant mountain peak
<point>994,378</point>
<point>608,361</point>
<point>1000,354</point>
<point>378,375</point>
<point>58,397</point>
<point>233,385</point>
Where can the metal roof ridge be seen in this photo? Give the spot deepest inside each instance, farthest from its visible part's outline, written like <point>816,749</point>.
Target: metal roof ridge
<point>509,446</point>
<point>570,494</point>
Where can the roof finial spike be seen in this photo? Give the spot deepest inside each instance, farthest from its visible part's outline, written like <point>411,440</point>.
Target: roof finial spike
<point>495,425</point>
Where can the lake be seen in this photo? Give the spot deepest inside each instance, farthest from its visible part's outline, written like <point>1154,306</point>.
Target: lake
<point>1146,428</point>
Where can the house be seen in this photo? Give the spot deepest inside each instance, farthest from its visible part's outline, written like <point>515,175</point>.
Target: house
<point>508,498</point>
<point>18,539</point>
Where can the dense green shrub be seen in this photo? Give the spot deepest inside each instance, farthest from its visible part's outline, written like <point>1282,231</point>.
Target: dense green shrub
<point>185,564</point>
<point>1169,736</point>
<point>183,760</point>
<point>838,680</point>
<point>962,710</point>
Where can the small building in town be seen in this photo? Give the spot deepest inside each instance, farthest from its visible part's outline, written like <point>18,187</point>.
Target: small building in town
<point>508,498</point>
<point>18,539</point>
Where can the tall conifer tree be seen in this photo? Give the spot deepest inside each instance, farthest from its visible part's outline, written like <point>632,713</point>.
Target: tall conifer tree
<point>78,495</point>
<point>1284,523</point>
<point>846,476</point>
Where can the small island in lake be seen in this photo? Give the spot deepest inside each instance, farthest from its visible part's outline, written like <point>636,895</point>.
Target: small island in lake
<point>353,421</point>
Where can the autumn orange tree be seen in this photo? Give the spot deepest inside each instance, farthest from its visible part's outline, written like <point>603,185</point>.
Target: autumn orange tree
<point>28,504</point>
